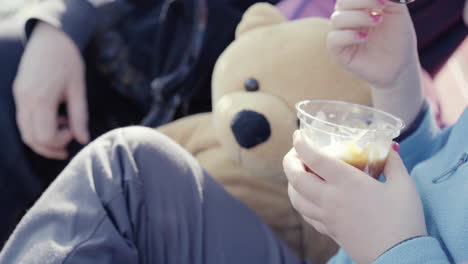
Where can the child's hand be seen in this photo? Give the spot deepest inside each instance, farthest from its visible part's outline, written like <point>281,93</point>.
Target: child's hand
<point>374,39</point>
<point>364,216</point>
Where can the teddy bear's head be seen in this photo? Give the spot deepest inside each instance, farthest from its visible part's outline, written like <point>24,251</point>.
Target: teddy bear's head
<point>258,79</point>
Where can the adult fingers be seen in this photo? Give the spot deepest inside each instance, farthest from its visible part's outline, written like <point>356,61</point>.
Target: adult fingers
<point>57,150</point>
<point>62,138</point>
<point>23,103</point>
<point>41,133</point>
<point>78,110</point>
<point>47,139</point>
<point>51,153</point>
<point>23,120</point>
<point>44,123</point>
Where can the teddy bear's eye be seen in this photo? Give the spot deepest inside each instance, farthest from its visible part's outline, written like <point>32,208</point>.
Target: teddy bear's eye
<point>251,85</point>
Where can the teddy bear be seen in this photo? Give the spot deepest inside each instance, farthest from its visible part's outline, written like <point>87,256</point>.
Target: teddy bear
<point>270,66</point>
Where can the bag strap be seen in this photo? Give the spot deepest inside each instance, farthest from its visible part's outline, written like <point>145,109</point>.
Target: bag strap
<point>168,91</point>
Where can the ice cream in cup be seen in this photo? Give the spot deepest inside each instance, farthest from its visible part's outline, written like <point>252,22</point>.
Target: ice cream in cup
<point>359,135</point>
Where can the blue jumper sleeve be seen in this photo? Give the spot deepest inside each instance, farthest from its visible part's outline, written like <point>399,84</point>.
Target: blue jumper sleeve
<point>417,250</point>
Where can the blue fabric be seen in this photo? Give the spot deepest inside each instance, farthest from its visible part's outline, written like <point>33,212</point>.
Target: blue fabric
<point>429,153</point>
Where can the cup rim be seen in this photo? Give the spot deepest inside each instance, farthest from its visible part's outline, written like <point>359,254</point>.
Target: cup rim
<point>400,123</point>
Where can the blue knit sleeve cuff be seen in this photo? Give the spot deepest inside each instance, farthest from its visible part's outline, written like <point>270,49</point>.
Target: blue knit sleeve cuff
<point>421,139</point>
<point>415,251</point>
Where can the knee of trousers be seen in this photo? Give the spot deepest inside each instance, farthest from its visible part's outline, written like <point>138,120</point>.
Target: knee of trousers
<point>149,158</point>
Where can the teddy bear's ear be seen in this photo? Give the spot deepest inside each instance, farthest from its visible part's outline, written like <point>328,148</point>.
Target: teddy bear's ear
<point>258,15</point>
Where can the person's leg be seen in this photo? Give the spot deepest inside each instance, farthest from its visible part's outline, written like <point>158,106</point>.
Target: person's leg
<point>134,196</point>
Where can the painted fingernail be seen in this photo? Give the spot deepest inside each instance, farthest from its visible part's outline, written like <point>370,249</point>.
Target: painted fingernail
<point>396,147</point>
<point>382,2</point>
<point>361,35</point>
<point>376,17</point>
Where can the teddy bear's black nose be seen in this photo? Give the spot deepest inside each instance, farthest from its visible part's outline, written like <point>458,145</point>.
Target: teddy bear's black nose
<point>250,129</point>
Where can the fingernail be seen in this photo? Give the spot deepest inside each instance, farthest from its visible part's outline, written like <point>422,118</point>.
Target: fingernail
<point>376,17</point>
<point>382,2</point>
<point>396,147</point>
<point>361,35</point>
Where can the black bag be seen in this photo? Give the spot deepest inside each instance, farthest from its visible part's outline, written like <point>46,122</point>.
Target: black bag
<point>179,27</point>
<point>179,41</point>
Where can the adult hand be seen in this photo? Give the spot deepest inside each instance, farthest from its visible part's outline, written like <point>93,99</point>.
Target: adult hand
<point>364,216</point>
<point>51,73</point>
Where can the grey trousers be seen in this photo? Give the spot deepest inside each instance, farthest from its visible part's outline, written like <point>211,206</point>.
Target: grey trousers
<point>134,196</point>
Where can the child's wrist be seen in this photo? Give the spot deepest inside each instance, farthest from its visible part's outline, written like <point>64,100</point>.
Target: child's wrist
<point>403,97</point>
<point>412,127</point>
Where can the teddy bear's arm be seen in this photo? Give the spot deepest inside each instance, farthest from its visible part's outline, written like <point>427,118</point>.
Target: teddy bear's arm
<point>194,133</point>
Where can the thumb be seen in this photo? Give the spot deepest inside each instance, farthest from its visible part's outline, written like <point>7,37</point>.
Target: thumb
<point>78,110</point>
<point>394,169</point>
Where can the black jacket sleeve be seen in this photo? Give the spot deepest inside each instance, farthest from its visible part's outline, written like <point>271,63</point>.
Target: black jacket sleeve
<point>77,18</point>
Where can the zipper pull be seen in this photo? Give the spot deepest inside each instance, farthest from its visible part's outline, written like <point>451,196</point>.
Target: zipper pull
<point>446,175</point>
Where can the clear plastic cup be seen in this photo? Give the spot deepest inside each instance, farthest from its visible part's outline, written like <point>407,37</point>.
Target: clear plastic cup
<point>359,135</point>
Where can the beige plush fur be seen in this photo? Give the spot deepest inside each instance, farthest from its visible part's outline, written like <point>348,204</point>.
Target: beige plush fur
<point>290,62</point>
